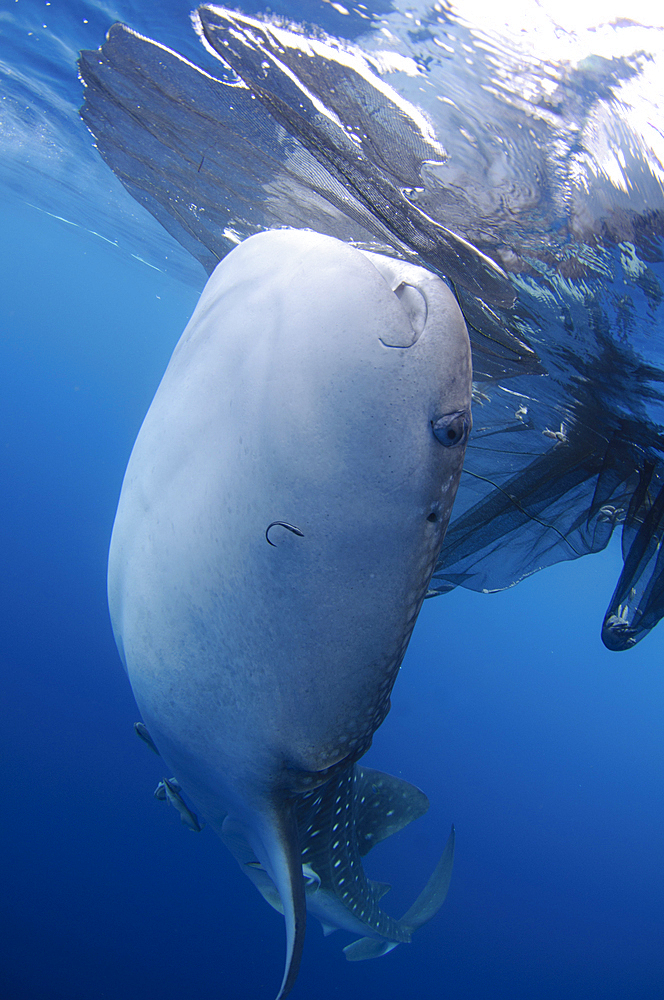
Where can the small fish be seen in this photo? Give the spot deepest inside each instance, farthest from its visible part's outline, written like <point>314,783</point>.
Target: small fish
<point>160,790</point>
<point>171,792</point>
<point>141,731</point>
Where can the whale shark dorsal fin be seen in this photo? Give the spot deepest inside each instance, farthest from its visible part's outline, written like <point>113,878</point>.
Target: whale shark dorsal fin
<point>385,805</point>
<point>380,888</point>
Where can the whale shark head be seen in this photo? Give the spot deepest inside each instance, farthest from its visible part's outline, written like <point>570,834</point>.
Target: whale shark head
<point>280,518</point>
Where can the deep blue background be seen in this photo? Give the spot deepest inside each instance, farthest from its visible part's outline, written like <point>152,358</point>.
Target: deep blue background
<point>544,749</point>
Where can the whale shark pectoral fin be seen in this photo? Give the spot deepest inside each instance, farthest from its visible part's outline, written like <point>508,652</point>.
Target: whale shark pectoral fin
<point>423,909</point>
<point>276,844</point>
<point>233,835</point>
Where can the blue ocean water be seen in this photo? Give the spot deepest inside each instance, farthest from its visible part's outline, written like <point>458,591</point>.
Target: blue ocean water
<point>544,749</point>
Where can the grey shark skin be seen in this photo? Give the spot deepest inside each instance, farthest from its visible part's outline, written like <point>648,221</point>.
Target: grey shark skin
<point>328,389</point>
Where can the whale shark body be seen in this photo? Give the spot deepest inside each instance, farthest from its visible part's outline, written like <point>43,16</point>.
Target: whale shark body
<point>280,518</point>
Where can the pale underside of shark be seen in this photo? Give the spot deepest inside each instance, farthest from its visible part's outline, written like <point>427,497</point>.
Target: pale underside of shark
<point>280,518</point>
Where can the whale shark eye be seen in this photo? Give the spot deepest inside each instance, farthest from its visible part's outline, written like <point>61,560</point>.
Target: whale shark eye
<point>452,429</point>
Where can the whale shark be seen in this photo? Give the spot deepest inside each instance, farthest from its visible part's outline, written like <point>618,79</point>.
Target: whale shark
<point>280,518</point>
